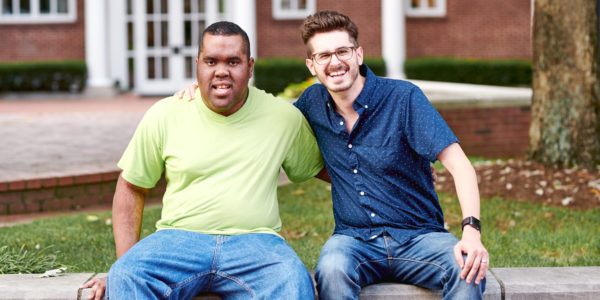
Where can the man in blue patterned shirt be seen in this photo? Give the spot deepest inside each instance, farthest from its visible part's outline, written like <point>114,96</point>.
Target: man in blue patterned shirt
<point>378,137</point>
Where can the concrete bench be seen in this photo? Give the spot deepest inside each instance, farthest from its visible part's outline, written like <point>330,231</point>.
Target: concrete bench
<point>502,283</point>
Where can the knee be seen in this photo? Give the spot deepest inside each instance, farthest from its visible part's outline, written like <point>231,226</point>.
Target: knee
<point>333,265</point>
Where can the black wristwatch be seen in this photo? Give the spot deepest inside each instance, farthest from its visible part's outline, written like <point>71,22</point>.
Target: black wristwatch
<point>474,222</point>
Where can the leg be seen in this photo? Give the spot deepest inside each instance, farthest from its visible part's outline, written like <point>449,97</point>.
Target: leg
<point>260,266</point>
<point>346,264</point>
<point>428,261</point>
<point>171,264</point>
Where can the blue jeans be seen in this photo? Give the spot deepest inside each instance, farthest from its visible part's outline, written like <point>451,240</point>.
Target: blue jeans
<point>178,264</point>
<point>347,264</point>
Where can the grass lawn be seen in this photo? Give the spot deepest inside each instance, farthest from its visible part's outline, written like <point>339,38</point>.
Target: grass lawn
<point>515,233</point>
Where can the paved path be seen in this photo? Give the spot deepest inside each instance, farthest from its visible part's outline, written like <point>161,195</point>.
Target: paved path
<point>58,137</point>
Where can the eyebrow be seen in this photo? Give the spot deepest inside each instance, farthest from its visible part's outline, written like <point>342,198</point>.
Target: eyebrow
<point>228,58</point>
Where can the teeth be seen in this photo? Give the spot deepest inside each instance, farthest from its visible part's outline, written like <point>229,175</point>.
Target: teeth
<point>337,73</point>
<point>222,86</point>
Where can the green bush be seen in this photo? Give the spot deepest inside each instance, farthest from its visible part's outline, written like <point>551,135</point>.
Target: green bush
<point>275,74</point>
<point>42,76</point>
<point>508,72</point>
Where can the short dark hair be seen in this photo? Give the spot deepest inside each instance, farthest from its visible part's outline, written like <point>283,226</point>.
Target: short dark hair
<point>226,28</point>
<point>326,21</point>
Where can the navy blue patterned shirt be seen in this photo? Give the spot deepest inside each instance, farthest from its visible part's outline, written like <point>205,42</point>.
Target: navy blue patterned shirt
<point>380,174</point>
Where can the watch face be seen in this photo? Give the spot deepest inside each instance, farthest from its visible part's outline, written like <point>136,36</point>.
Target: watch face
<point>473,222</point>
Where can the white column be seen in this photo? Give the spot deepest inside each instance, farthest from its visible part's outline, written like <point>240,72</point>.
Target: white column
<point>393,37</point>
<point>243,13</point>
<point>97,45</point>
<point>212,11</point>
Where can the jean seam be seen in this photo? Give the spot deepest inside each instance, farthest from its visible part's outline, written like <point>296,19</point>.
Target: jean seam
<point>184,282</point>
<point>236,280</point>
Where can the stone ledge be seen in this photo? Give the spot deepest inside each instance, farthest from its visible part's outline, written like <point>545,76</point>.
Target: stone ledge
<point>502,283</point>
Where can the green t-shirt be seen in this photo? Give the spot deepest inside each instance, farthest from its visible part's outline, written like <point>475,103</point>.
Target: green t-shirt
<point>222,172</point>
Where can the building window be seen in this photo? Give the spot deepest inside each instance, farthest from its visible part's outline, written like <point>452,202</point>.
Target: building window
<point>293,9</point>
<point>425,8</point>
<point>38,11</point>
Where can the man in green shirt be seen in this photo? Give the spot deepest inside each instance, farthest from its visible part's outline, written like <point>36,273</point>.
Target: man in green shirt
<point>221,157</point>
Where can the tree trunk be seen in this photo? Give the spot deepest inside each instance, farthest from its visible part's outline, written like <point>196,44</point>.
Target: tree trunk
<point>565,109</point>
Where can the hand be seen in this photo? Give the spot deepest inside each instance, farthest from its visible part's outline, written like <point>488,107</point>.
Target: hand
<point>189,91</point>
<point>98,286</point>
<point>478,259</point>
<point>433,175</point>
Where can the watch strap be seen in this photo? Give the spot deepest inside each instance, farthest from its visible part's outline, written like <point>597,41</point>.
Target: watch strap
<point>474,222</point>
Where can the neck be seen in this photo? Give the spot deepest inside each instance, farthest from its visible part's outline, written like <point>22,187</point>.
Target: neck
<point>344,99</point>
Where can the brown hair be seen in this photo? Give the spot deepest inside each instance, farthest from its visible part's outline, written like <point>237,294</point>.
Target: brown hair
<point>326,21</point>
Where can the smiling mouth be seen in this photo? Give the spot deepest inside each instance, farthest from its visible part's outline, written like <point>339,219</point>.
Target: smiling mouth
<point>221,86</point>
<point>337,73</point>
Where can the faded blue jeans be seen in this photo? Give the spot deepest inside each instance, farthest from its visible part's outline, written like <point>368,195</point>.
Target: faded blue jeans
<point>178,264</point>
<point>347,264</point>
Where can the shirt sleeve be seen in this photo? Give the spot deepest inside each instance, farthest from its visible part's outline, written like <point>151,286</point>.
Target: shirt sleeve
<point>142,161</point>
<point>426,131</point>
<point>303,161</point>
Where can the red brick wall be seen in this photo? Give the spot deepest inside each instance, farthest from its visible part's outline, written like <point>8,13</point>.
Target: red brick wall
<point>473,28</point>
<point>64,193</point>
<point>27,42</point>
<point>491,132</point>
<point>281,38</point>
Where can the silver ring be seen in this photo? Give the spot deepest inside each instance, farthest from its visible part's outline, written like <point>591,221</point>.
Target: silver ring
<point>484,261</point>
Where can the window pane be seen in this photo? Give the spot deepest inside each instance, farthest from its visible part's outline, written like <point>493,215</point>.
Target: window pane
<point>201,6</point>
<point>151,74</point>
<point>25,6</point>
<point>62,7</point>
<point>221,6</point>
<point>201,26</point>
<point>165,67</point>
<point>187,7</point>
<point>164,33</point>
<point>415,3</point>
<point>431,3</point>
<point>301,4</point>
<point>129,36</point>
<point>286,4</point>
<point>189,67</point>
<point>131,72</point>
<point>149,7</point>
<point>7,7</point>
<point>129,11</point>
<point>164,8</point>
<point>150,33</point>
<point>44,6</point>
<point>187,33</point>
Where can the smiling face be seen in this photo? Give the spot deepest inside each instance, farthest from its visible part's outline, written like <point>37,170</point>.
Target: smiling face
<point>223,71</point>
<point>338,76</point>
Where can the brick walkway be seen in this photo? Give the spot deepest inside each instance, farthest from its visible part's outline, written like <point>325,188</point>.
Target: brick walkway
<point>44,138</point>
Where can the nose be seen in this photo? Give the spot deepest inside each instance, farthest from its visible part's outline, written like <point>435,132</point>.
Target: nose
<point>222,71</point>
<point>334,59</point>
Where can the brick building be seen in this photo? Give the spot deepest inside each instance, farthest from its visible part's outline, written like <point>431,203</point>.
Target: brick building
<point>150,45</point>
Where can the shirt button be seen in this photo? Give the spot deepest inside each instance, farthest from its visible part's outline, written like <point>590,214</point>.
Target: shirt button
<point>341,122</point>
<point>362,193</point>
<point>355,171</point>
<point>366,106</point>
<point>350,146</point>
<point>328,105</point>
<point>373,237</point>
<point>372,215</point>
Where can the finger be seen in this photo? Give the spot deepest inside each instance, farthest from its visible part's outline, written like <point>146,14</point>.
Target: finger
<point>88,284</point>
<point>468,265</point>
<point>482,271</point>
<point>458,256</point>
<point>474,269</point>
<point>190,93</point>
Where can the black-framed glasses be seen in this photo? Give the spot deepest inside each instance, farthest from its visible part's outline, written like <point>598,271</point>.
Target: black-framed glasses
<point>343,53</point>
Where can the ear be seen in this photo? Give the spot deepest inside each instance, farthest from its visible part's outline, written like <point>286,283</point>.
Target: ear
<point>359,55</point>
<point>311,67</point>
<point>251,66</point>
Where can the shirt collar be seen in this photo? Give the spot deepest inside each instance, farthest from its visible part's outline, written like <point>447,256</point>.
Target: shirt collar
<point>365,96</point>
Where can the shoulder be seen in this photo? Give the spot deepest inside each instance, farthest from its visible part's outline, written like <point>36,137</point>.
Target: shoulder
<point>316,93</point>
<point>274,106</point>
